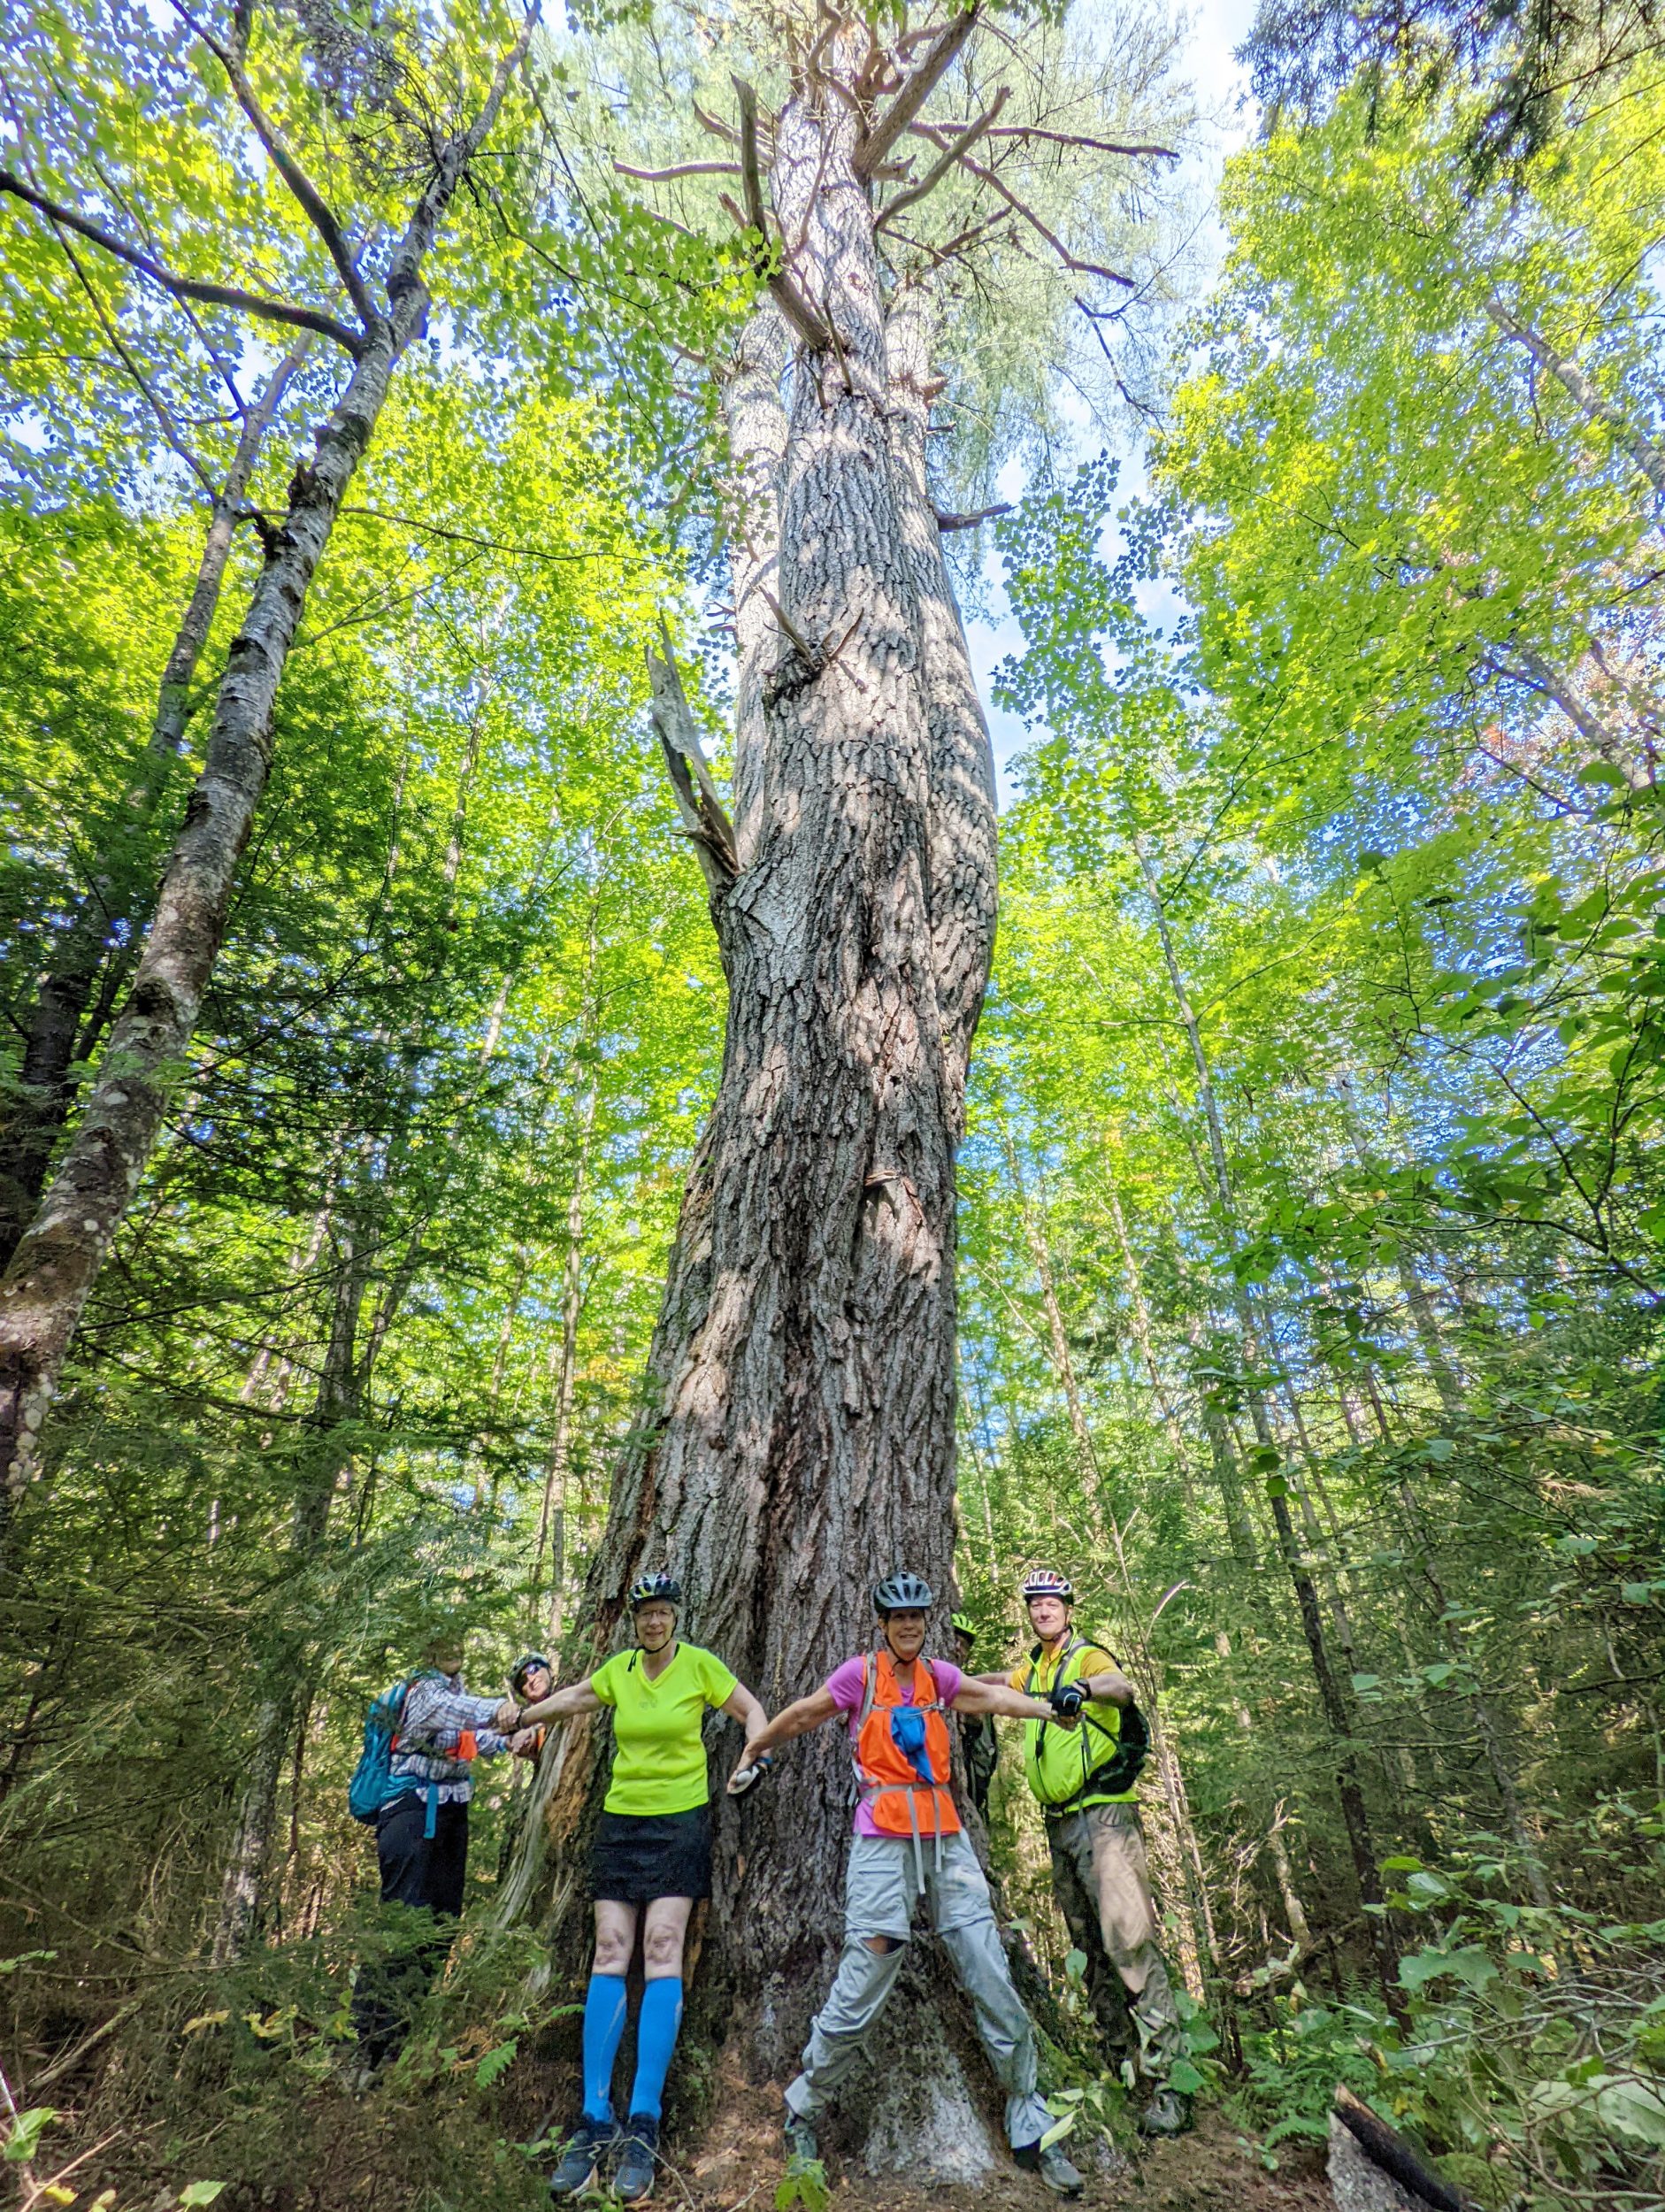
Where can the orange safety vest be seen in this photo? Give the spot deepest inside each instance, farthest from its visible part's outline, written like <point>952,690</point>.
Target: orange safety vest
<point>902,1801</point>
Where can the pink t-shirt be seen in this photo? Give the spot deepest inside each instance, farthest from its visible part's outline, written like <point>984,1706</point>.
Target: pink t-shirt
<point>845,1685</point>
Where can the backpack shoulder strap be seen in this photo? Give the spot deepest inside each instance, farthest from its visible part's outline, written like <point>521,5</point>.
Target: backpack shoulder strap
<point>870,1687</point>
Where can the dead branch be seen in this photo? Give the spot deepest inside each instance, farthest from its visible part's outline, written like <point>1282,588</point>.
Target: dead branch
<point>1069,261</point>
<point>937,60</point>
<point>969,522</point>
<point>679,169</point>
<point>945,161</point>
<point>716,126</point>
<point>704,816</point>
<point>811,659</point>
<point>311,201</point>
<point>1070,138</point>
<point>956,244</point>
<point>185,288</point>
<point>790,302</point>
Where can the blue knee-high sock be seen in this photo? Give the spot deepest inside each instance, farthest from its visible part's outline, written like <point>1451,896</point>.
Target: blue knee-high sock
<point>603,2026</point>
<point>656,2040</point>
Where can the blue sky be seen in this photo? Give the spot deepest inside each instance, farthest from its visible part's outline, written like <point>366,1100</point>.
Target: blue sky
<point>1215,28</point>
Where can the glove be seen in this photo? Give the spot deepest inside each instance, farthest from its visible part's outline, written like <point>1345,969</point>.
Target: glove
<point>743,1778</point>
<point>1067,1700</point>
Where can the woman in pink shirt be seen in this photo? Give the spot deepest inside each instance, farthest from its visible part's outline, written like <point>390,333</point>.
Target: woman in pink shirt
<point>908,1839</point>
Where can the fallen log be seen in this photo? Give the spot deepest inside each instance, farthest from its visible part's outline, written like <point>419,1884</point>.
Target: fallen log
<point>1373,2169</point>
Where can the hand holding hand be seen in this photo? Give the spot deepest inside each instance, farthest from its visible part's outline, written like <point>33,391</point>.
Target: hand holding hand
<point>506,1720</point>
<point>748,1772</point>
<point>1067,1700</point>
<point>524,1743</point>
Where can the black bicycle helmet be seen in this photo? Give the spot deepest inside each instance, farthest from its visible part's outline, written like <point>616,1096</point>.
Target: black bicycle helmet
<point>904,1592</point>
<point>523,1668</point>
<point>655,1590</point>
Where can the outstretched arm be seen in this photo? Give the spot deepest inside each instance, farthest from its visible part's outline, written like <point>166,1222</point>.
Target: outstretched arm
<point>563,1704</point>
<point>977,1695</point>
<point>792,1720</point>
<point>1112,1687</point>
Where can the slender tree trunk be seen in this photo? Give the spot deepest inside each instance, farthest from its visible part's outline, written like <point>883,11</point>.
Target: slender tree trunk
<point>337,1411</point>
<point>57,1259</point>
<point>1590,403</point>
<point>1420,1306</point>
<point>1294,1911</point>
<point>1332,1701</point>
<point>59,1030</point>
<point>796,1438</point>
<point>1174,1844</point>
<point>1144,1337</point>
<point>552,1516</point>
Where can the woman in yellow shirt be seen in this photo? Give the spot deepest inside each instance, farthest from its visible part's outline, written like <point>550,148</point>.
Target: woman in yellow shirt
<point>652,1859</point>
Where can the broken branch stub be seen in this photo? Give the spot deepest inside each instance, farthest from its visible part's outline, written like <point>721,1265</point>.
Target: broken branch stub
<point>698,801</point>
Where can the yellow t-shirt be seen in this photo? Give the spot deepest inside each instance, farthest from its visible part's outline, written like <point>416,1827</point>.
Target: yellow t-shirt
<point>659,1760</point>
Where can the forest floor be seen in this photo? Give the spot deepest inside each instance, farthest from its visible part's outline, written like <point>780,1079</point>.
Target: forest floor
<point>1212,2169</point>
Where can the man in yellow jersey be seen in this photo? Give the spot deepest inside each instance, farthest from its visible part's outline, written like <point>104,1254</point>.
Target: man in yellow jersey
<point>1085,1780</point>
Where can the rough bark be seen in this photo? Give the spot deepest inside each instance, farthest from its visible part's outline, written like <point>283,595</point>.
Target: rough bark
<point>796,1437</point>
<point>59,1255</point>
<point>59,1029</point>
<point>756,416</point>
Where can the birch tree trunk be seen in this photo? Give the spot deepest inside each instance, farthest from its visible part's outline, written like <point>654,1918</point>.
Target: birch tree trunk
<point>59,1030</point>
<point>1590,403</point>
<point>57,1261</point>
<point>796,1437</point>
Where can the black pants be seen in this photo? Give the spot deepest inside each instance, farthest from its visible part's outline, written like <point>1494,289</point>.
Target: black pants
<point>424,1871</point>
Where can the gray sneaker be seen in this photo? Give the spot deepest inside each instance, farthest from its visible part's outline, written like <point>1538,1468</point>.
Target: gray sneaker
<point>584,2165</point>
<point>1168,2113</point>
<point>798,2139</point>
<point>1053,2167</point>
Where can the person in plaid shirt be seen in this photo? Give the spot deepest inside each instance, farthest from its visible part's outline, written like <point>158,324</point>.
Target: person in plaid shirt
<point>422,1834</point>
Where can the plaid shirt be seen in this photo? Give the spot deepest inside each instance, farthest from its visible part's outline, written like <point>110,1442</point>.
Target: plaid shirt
<point>438,1711</point>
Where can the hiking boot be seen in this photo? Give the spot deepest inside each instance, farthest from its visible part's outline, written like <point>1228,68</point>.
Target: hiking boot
<point>1168,2113</point>
<point>585,2157</point>
<point>638,2156</point>
<point>799,2139</point>
<point>1054,2169</point>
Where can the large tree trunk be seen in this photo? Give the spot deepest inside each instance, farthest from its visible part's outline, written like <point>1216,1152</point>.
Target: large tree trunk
<point>797,1438</point>
<point>57,1259</point>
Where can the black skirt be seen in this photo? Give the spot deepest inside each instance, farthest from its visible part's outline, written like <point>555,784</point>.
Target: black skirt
<point>638,1856</point>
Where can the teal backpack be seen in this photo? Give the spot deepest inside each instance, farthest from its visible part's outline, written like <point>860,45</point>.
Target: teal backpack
<point>371,1784</point>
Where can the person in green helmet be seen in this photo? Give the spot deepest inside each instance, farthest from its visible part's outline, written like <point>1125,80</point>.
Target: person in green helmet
<point>977,1738</point>
<point>1086,1783</point>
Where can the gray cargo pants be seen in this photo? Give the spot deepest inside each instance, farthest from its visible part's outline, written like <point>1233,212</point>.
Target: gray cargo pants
<point>1101,1880</point>
<point>881,1889</point>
